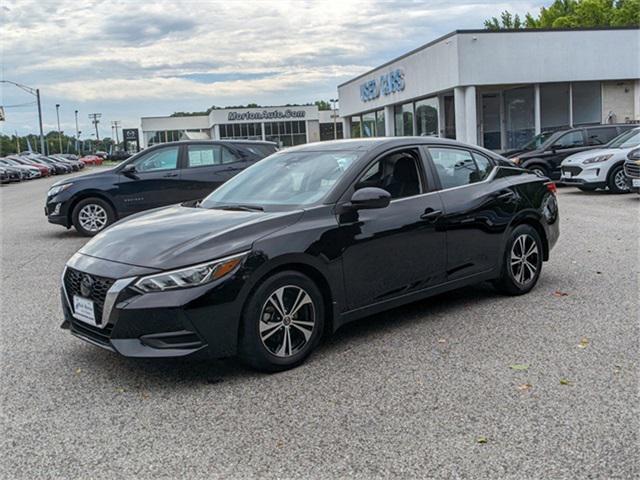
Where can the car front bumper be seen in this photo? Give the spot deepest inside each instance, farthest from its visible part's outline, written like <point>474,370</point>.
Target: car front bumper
<point>590,175</point>
<point>198,321</point>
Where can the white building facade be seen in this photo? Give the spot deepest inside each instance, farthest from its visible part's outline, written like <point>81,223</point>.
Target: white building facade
<point>499,89</point>
<point>287,126</point>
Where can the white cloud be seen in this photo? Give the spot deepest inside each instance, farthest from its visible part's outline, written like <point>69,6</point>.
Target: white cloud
<point>120,55</point>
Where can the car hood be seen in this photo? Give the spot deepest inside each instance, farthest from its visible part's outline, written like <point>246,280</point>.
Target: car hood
<point>177,236</point>
<point>581,156</point>
<point>87,176</point>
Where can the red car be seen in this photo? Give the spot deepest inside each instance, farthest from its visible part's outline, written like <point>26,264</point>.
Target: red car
<point>92,160</point>
<point>45,170</point>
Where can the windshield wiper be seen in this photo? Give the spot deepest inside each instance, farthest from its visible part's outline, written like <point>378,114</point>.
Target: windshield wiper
<point>241,207</point>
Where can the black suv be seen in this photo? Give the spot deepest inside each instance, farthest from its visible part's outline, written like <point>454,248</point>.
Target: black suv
<point>160,175</point>
<point>547,158</point>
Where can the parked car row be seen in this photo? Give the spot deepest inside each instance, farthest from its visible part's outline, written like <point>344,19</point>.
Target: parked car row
<point>589,157</point>
<point>30,165</point>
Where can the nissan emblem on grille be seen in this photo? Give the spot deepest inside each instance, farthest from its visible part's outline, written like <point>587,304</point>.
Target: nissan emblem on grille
<point>86,286</point>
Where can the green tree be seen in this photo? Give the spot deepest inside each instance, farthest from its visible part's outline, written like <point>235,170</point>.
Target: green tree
<point>573,14</point>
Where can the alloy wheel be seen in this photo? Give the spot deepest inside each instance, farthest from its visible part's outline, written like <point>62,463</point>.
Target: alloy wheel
<point>92,217</point>
<point>287,321</point>
<point>524,259</point>
<point>620,181</point>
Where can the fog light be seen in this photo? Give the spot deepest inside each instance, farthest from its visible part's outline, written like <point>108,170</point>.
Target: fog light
<point>56,210</point>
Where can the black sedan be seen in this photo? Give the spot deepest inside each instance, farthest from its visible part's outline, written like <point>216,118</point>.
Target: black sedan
<point>160,175</point>
<point>305,241</point>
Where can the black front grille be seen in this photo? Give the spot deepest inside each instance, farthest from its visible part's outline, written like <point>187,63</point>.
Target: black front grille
<point>100,335</point>
<point>572,170</point>
<point>632,170</point>
<point>97,293</point>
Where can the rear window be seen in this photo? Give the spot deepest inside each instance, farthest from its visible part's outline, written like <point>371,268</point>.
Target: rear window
<point>261,149</point>
<point>601,136</point>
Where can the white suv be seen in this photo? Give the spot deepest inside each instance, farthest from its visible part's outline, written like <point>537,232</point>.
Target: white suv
<point>601,168</point>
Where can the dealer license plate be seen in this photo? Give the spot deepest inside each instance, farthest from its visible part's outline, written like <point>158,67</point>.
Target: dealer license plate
<point>83,310</point>
<point>635,182</point>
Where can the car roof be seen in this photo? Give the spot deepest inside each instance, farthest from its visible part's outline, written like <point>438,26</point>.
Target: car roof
<point>374,142</point>
<point>215,142</point>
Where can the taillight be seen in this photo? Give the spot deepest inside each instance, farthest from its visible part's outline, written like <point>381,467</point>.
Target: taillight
<point>551,186</point>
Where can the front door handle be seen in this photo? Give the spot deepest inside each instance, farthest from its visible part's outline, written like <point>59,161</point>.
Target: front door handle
<point>506,195</point>
<point>170,175</point>
<point>431,214</point>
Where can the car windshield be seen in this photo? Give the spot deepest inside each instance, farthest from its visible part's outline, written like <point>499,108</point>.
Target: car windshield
<point>283,179</point>
<point>537,141</point>
<point>629,139</point>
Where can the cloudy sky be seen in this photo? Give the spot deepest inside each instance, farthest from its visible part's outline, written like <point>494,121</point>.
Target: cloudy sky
<point>128,58</point>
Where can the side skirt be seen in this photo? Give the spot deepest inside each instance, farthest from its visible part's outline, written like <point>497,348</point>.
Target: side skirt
<point>378,307</point>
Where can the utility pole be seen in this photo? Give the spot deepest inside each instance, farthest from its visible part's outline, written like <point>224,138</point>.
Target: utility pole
<point>59,133</point>
<point>95,119</point>
<point>335,118</point>
<point>17,142</point>
<point>116,124</point>
<point>77,133</point>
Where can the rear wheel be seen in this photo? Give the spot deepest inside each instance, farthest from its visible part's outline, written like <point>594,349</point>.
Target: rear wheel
<point>617,181</point>
<point>282,322</point>
<point>539,170</point>
<point>92,215</point>
<point>522,261</point>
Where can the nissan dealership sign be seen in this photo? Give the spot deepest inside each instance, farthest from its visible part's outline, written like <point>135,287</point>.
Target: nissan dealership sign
<point>266,115</point>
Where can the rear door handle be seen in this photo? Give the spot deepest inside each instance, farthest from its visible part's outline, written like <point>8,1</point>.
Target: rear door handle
<point>431,214</point>
<point>170,175</point>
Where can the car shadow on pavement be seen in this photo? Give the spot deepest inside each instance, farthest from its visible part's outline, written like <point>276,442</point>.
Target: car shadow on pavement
<point>169,374</point>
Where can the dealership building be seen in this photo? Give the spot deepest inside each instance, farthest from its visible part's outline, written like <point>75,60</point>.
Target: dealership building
<point>499,89</point>
<point>287,126</point>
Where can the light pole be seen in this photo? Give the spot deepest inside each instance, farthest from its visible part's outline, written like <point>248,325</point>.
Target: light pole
<point>335,119</point>
<point>36,93</point>
<point>77,132</point>
<point>59,134</point>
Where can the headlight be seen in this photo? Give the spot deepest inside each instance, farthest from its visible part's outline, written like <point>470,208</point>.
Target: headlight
<point>56,189</point>
<point>601,158</point>
<point>634,154</point>
<point>191,276</point>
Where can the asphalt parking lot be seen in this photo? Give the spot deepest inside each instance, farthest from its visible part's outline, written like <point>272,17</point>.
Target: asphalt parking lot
<point>465,385</point>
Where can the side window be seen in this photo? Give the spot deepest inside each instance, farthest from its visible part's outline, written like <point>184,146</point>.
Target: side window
<point>397,173</point>
<point>484,165</point>
<point>163,159</point>
<point>203,155</point>
<point>600,136</point>
<point>455,167</point>
<point>570,140</point>
<point>228,156</point>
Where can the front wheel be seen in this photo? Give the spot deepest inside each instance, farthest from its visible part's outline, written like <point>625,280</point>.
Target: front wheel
<point>282,322</point>
<point>92,215</point>
<point>617,181</point>
<point>522,261</point>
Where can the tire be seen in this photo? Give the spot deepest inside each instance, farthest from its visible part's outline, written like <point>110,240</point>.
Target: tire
<point>510,281</point>
<point>263,343</point>
<point>616,181</point>
<point>92,215</point>
<point>585,188</point>
<point>539,169</point>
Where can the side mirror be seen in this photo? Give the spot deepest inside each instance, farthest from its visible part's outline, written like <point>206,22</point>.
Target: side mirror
<point>370,197</point>
<point>129,169</point>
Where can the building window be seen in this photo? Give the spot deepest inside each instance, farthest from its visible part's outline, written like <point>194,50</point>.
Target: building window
<point>380,127</point>
<point>554,106</point>
<point>369,124</point>
<point>519,121</point>
<point>241,131</point>
<point>356,131</point>
<point>403,120</point>
<point>326,131</point>
<point>286,134</point>
<point>587,103</point>
<point>427,117</point>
